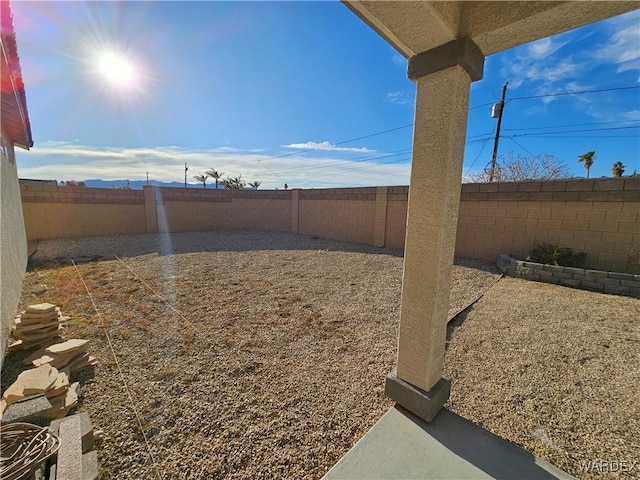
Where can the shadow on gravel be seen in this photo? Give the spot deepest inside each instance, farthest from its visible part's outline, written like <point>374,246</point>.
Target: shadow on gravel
<point>60,252</point>
<point>54,253</point>
<point>456,323</point>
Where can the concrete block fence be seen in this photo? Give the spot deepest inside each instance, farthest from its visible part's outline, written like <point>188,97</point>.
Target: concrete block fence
<point>596,280</point>
<point>600,217</point>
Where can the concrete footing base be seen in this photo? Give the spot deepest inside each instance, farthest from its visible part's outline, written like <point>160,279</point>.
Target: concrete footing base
<point>425,405</point>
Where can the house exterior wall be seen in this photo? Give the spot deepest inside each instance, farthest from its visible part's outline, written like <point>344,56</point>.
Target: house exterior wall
<point>600,217</point>
<point>13,242</point>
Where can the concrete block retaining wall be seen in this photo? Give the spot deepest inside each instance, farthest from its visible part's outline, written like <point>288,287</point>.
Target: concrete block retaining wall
<point>596,280</point>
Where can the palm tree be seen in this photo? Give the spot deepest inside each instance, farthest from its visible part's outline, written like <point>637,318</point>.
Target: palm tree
<point>255,184</point>
<point>235,183</point>
<point>617,169</point>
<point>238,183</point>
<point>202,178</point>
<point>213,173</point>
<point>587,158</point>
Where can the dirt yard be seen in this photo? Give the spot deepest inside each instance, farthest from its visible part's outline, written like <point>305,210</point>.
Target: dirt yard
<point>262,355</point>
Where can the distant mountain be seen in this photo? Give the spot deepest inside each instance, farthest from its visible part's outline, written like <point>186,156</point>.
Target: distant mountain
<point>138,184</point>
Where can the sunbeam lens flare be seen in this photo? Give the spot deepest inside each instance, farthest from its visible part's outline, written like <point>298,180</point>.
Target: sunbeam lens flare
<point>117,70</point>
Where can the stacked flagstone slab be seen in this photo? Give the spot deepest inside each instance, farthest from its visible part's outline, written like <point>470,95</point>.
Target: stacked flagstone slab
<point>71,354</point>
<point>39,325</point>
<point>44,380</point>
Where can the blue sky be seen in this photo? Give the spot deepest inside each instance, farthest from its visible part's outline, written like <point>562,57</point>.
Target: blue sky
<point>276,91</point>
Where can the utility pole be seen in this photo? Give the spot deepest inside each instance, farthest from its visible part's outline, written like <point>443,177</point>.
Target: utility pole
<point>495,143</point>
<point>186,169</point>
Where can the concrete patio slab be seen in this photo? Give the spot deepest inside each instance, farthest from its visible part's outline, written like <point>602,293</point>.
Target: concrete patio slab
<point>402,446</point>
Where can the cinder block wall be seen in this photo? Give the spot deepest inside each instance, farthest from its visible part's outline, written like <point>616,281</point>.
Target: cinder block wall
<point>600,217</point>
<point>396,216</point>
<point>71,212</point>
<point>68,212</point>
<point>342,214</point>
<point>193,210</point>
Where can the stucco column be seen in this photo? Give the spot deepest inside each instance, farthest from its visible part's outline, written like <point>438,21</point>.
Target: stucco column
<point>442,102</point>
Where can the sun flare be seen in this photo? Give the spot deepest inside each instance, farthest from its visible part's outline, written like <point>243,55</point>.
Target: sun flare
<point>116,70</point>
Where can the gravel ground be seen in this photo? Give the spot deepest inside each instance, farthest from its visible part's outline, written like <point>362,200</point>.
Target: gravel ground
<point>272,363</point>
<point>556,371</point>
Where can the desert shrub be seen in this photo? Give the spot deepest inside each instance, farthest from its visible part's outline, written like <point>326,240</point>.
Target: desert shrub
<point>550,254</point>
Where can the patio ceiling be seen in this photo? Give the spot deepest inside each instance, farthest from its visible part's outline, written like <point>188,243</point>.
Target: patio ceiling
<point>417,26</point>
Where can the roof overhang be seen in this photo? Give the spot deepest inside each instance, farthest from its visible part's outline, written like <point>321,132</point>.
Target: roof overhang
<point>15,118</point>
<point>413,27</point>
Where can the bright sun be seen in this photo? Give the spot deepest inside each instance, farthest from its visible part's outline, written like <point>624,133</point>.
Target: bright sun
<point>117,70</point>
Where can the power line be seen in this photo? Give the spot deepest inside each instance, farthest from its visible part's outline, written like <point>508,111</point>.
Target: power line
<point>297,152</point>
<point>486,141</point>
<point>483,105</point>
<point>338,162</point>
<point>356,167</point>
<point>276,174</point>
<point>479,140</point>
<point>482,135</point>
<point>571,125</point>
<point>544,135</point>
<point>560,94</point>
<point>575,131</point>
<point>549,134</point>
<point>521,146</point>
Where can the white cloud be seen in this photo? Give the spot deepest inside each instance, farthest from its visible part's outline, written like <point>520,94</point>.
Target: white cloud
<point>327,147</point>
<point>399,98</point>
<point>547,89</point>
<point>73,161</point>
<point>630,115</point>
<point>544,47</point>
<point>609,113</point>
<point>536,62</point>
<point>623,46</point>
<point>524,70</point>
<point>399,59</point>
<point>542,61</point>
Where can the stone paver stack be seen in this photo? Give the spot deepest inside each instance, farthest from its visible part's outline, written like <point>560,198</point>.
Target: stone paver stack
<point>44,395</point>
<point>71,354</point>
<point>39,325</point>
<point>44,392</point>
<point>44,380</point>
